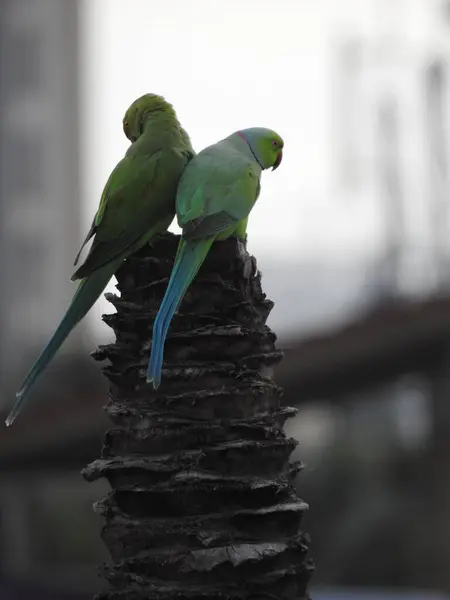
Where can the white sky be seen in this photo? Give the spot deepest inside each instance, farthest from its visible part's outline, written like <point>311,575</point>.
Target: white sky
<point>224,66</point>
<point>229,64</point>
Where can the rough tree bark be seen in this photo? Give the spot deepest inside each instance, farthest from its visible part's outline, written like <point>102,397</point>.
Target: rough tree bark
<point>202,504</point>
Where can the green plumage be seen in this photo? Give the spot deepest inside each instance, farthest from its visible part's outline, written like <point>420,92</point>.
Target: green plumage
<point>137,204</point>
<point>215,196</point>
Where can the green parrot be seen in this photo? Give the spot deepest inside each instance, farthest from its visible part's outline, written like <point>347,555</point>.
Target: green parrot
<point>137,203</point>
<point>214,198</point>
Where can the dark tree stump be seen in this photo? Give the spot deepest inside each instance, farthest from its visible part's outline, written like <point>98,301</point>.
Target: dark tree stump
<point>202,503</point>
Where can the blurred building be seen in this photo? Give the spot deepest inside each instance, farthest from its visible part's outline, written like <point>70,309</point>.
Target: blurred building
<point>373,429</point>
<point>39,237</point>
<point>390,109</point>
<point>39,171</point>
<point>383,128</point>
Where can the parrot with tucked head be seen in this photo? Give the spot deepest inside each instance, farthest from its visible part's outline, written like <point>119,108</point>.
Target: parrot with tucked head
<point>214,198</point>
<point>137,203</point>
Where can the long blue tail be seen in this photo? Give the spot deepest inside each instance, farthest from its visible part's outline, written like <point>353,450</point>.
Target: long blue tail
<point>87,293</point>
<point>189,258</point>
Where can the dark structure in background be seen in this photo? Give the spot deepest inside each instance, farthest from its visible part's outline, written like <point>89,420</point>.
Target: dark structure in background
<point>381,493</point>
<point>39,174</point>
<point>377,487</point>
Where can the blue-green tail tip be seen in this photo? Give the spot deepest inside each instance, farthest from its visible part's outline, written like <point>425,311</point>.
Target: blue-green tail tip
<point>15,409</point>
<point>151,379</point>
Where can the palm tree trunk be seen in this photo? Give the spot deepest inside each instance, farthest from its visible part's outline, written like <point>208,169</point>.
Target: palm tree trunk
<point>202,503</point>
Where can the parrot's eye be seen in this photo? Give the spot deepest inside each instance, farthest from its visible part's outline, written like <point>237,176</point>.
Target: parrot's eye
<point>274,143</point>
<point>125,125</point>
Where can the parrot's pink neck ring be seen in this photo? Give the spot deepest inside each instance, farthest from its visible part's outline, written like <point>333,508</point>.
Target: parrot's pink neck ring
<point>242,136</point>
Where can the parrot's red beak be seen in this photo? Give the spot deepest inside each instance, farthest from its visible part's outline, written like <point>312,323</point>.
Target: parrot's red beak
<point>277,163</point>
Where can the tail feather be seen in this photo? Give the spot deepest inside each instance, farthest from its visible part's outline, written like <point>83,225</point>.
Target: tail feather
<point>87,293</point>
<point>189,258</point>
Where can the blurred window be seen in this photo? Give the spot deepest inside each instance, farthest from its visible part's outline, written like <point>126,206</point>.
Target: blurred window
<point>348,102</point>
<point>25,164</point>
<point>436,88</point>
<point>24,61</point>
<point>391,195</point>
<point>437,161</point>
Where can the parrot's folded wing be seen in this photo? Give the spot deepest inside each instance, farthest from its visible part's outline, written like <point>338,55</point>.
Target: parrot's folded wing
<point>90,234</point>
<point>122,217</point>
<point>212,197</point>
<point>97,218</point>
<point>207,225</point>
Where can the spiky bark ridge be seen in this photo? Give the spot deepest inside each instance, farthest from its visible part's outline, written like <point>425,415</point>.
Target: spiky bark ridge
<point>202,505</point>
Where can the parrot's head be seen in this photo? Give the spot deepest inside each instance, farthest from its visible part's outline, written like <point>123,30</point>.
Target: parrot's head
<point>266,146</point>
<point>141,110</point>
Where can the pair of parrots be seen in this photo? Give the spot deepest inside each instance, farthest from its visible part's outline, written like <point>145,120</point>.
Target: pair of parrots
<point>212,194</point>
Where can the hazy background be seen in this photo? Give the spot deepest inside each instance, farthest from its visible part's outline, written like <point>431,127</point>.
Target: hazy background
<point>345,83</point>
<point>354,225</point>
